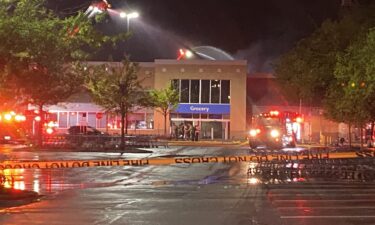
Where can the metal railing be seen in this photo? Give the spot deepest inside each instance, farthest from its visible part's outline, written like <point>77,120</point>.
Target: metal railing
<point>102,142</point>
<point>333,169</point>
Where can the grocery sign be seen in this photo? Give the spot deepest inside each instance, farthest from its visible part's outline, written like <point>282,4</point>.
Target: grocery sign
<point>203,108</point>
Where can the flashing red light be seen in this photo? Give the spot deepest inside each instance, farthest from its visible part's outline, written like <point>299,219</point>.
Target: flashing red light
<point>20,118</point>
<point>49,130</point>
<point>185,53</point>
<point>8,117</point>
<point>299,120</point>
<point>181,54</point>
<point>274,113</point>
<point>103,5</point>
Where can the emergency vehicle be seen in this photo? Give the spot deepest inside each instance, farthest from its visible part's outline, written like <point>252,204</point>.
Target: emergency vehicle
<point>12,128</point>
<point>275,130</point>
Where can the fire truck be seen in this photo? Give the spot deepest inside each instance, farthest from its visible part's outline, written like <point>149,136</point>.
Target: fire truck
<point>12,128</point>
<point>275,130</point>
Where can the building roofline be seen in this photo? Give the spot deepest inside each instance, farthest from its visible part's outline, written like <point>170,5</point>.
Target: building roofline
<point>200,62</point>
<point>142,64</point>
<point>260,75</point>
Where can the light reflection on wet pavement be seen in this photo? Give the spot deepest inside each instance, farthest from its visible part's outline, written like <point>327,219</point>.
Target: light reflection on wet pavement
<point>240,193</point>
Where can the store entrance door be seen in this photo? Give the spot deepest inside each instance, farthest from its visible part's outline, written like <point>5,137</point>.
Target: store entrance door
<point>212,130</point>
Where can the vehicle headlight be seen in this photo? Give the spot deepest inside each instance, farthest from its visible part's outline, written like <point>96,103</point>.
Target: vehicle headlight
<point>275,133</point>
<point>253,133</point>
<point>7,138</point>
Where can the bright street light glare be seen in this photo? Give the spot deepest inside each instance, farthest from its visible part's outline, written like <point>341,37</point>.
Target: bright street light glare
<point>122,15</point>
<point>133,15</point>
<point>189,54</point>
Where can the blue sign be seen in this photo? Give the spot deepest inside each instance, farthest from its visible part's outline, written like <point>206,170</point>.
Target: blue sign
<point>203,108</point>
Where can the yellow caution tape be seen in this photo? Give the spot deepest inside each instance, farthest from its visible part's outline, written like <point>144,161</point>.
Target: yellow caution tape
<point>181,160</point>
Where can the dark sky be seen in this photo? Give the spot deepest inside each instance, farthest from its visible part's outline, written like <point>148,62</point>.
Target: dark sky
<point>256,30</point>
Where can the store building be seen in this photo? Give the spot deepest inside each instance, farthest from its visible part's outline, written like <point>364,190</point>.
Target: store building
<point>212,96</point>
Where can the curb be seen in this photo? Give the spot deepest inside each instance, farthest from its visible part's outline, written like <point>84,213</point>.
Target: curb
<point>203,144</point>
<point>83,150</point>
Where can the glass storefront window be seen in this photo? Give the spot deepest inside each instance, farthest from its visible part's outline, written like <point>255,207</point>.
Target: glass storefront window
<point>186,115</point>
<point>215,91</point>
<point>102,123</point>
<point>215,116</point>
<point>72,119</point>
<point>225,91</point>
<point>52,117</point>
<point>111,123</point>
<point>185,91</point>
<point>63,120</point>
<point>91,119</point>
<point>150,120</point>
<point>194,91</point>
<point>137,121</point>
<point>176,85</point>
<point>204,116</point>
<point>205,91</point>
<point>82,118</point>
<point>195,116</point>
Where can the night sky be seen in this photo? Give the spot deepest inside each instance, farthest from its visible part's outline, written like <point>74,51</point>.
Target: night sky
<point>256,30</point>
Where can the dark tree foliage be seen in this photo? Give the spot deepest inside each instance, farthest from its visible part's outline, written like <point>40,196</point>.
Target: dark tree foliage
<point>40,53</point>
<point>307,71</point>
<point>116,88</point>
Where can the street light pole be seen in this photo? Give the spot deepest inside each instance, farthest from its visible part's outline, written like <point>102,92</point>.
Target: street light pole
<point>128,24</point>
<point>129,17</point>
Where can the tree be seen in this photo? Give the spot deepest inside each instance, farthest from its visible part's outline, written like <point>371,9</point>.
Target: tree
<point>307,71</point>
<point>40,51</point>
<point>116,88</point>
<point>354,73</point>
<point>165,100</point>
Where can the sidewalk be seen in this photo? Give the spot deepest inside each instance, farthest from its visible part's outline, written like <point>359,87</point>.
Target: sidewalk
<point>337,148</point>
<point>109,150</point>
<point>206,143</point>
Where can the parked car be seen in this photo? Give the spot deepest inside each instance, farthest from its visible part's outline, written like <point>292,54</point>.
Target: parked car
<point>12,135</point>
<point>87,137</point>
<point>84,130</point>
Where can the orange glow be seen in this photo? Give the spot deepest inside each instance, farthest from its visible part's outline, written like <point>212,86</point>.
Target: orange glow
<point>20,185</point>
<point>37,118</point>
<point>253,133</point>
<point>20,118</point>
<point>274,113</point>
<point>299,120</point>
<point>49,130</point>
<point>275,133</point>
<point>51,124</point>
<point>253,180</point>
<point>8,117</point>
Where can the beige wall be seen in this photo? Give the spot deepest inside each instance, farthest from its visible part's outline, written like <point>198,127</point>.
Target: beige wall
<point>146,75</point>
<point>158,74</point>
<point>235,71</point>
